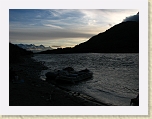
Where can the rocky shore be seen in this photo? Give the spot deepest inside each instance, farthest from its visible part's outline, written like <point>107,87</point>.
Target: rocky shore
<point>30,90</point>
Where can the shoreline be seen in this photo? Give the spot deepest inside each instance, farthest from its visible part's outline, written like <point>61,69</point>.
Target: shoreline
<point>35,92</point>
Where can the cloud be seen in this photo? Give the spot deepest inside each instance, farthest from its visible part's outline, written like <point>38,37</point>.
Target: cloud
<point>132,18</point>
<point>53,26</point>
<point>45,34</point>
<point>55,46</point>
<point>110,25</point>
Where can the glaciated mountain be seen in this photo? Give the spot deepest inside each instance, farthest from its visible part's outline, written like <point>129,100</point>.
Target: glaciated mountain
<point>34,48</point>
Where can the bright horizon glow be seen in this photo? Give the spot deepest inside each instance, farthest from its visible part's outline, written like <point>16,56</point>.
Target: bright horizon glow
<point>61,27</point>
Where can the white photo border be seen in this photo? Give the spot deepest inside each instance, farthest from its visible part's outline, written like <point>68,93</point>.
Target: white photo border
<point>141,5</point>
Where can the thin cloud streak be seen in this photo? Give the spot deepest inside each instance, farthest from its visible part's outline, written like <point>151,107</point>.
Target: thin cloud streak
<point>53,26</point>
<point>46,35</point>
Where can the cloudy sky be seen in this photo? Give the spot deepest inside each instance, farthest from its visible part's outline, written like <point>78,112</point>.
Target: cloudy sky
<point>62,27</point>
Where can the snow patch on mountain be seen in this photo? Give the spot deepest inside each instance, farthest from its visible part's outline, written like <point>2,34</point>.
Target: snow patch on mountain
<point>34,48</point>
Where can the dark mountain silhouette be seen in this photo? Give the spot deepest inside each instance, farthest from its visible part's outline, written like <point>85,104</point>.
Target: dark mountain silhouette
<point>16,53</point>
<point>121,38</point>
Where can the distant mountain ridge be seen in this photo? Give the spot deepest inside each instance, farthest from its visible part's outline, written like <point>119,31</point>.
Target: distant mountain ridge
<point>34,48</point>
<point>121,38</point>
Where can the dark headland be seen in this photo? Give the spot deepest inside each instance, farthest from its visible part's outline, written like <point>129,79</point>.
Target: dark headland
<point>121,38</point>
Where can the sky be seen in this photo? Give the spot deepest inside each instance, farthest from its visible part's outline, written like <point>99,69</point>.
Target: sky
<point>63,27</point>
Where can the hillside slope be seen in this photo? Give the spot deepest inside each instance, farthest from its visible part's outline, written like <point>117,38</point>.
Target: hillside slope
<point>123,37</point>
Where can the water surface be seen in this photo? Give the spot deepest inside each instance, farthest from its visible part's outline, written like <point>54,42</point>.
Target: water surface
<point>115,76</point>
